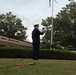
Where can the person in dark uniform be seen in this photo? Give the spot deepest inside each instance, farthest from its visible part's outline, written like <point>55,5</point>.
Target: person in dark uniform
<point>36,41</point>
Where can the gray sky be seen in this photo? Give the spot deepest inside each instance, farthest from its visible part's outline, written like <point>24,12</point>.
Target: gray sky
<point>30,11</point>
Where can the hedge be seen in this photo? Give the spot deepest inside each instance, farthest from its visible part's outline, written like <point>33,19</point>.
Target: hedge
<point>58,54</point>
<point>13,52</point>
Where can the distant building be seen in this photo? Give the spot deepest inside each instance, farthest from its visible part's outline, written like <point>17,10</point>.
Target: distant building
<point>5,41</point>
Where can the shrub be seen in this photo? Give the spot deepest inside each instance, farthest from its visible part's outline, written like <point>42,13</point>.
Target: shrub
<point>13,52</point>
<point>57,54</point>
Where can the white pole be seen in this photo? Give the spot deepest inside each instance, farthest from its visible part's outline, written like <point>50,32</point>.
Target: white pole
<point>52,25</point>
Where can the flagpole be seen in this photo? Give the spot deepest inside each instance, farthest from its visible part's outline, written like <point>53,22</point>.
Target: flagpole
<point>52,26</point>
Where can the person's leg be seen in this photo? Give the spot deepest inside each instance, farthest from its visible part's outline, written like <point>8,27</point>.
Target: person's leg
<point>38,51</point>
<point>35,52</point>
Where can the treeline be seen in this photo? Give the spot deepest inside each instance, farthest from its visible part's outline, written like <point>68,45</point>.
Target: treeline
<point>64,27</point>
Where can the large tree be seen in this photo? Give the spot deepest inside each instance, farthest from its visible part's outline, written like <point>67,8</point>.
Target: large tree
<point>12,27</point>
<point>65,25</point>
<point>47,26</point>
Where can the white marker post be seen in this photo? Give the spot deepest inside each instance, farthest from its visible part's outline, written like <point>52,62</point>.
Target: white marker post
<point>52,4</point>
<point>52,26</point>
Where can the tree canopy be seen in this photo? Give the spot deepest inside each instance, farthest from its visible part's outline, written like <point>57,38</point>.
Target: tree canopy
<point>47,36</point>
<point>12,27</point>
<point>64,25</point>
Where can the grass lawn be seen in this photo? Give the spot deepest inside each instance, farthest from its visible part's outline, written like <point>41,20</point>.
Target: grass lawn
<point>40,67</point>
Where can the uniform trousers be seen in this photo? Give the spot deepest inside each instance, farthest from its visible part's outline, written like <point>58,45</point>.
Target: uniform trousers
<point>36,50</point>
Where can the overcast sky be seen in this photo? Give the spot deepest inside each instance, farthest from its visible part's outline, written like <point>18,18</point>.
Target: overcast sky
<point>31,11</point>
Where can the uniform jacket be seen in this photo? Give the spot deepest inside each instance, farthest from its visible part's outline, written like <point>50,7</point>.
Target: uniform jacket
<point>36,36</point>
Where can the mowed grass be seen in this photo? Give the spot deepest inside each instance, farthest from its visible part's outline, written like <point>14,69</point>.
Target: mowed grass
<point>40,67</point>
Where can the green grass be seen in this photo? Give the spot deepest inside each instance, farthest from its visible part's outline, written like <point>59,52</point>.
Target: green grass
<point>41,67</point>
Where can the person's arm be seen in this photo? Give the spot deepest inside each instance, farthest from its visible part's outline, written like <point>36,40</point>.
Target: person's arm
<point>40,33</point>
